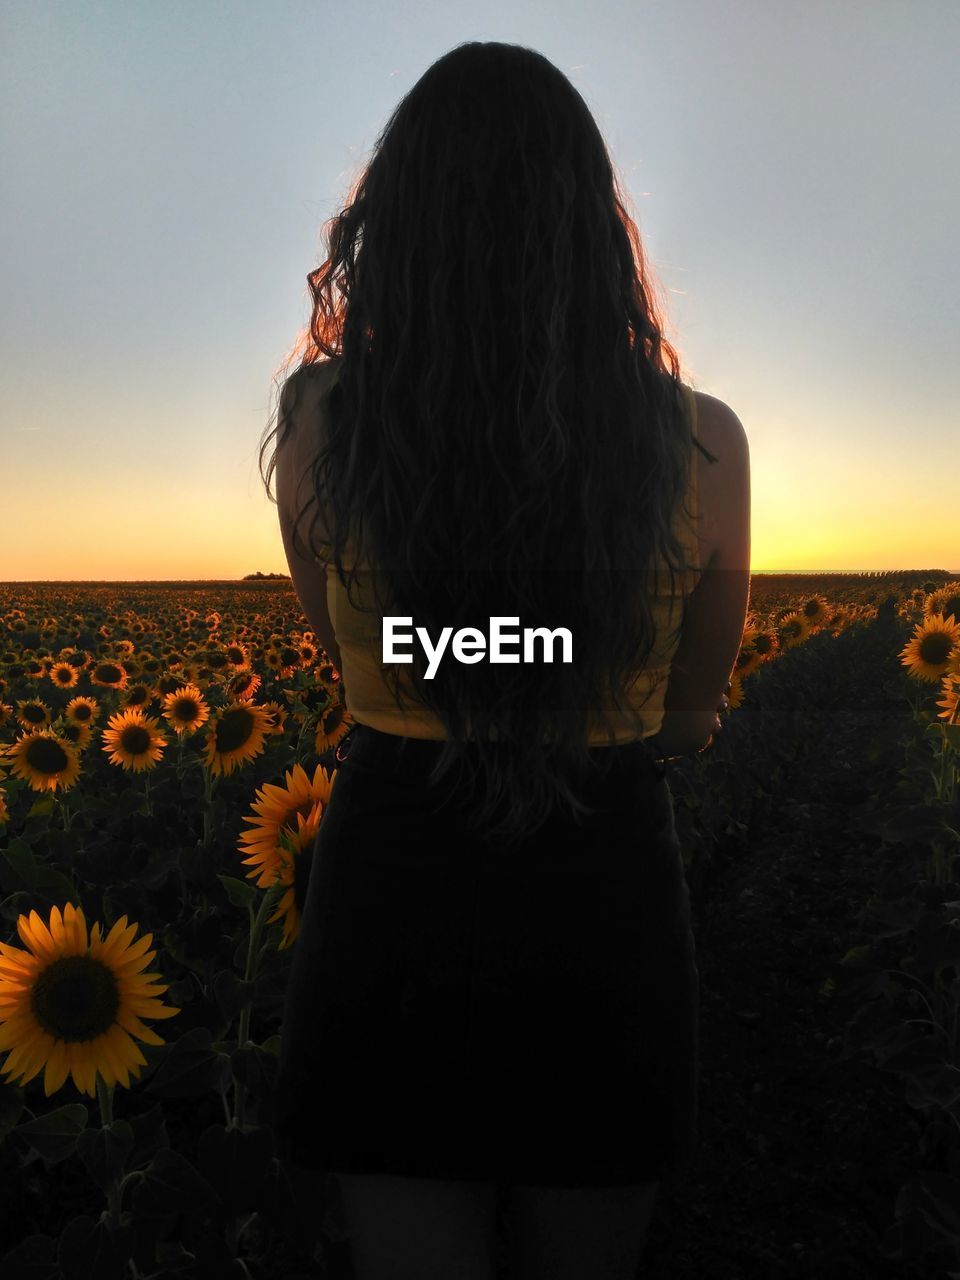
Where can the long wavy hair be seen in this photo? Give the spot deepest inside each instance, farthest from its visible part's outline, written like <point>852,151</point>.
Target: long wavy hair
<point>507,434</point>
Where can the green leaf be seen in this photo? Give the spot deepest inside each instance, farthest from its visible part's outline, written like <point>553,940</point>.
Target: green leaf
<point>44,805</point>
<point>54,1136</point>
<point>171,1185</point>
<point>93,1248</point>
<point>191,1068</point>
<point>11,1107</point>
<point>19,855</point>
<point>254,1068</point>
<point>149,1135</point>
<point>240,892</point>
<point>105,1152</point>
<point>51,878</point>
<point>231,994</point>
<point>128,802</point>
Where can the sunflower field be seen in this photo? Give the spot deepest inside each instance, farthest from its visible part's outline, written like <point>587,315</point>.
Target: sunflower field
<point>164,770</point>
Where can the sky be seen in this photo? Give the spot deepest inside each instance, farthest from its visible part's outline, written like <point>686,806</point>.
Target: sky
<point>794,170</point>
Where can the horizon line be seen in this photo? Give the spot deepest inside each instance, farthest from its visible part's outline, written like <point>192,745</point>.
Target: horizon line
<point>28,582</point>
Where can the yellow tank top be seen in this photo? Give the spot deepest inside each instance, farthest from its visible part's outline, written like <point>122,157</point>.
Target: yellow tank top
<point>370,701</point>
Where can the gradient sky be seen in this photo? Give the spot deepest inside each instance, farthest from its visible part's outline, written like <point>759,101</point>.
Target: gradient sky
<point>793,169</point>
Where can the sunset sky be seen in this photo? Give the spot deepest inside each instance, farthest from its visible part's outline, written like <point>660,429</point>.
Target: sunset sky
<point>168,168</point>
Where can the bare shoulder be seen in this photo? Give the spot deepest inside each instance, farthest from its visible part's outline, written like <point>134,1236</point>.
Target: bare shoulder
<point>724,485</point>
<point>719,429</point>
<point>301,423</point>
<point>307,385</point>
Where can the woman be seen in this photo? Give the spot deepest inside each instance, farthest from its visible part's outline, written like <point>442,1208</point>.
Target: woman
<point>494,985</point>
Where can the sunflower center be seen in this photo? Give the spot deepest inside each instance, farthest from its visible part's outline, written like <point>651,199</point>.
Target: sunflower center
<point>935,647</point>
<point>135,739</point>
<point>34,713</point>
<point>75,998</point>
<point>233,729</point>
<point>46,755</point>
<point>109,673</point>
<point>185,709</point>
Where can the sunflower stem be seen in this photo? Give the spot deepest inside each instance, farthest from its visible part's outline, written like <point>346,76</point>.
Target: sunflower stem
<point>207,798</point>
<point>250,973</point>
<point>105,1098</point>
<point>296,751</point>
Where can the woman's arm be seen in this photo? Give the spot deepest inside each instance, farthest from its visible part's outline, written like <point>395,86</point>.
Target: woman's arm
<point>716,609</point>
<point>309,576</point>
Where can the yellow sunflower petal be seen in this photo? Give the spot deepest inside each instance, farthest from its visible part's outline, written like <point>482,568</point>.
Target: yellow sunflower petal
<point>57,1069</point>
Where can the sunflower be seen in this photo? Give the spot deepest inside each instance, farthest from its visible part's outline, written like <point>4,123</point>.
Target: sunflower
<point>928,655</point>
<point>237,656</point>
<point>814,610</point>
<point>332,724</point>
<point>950,699</point>
<point>63,675</point>
<point>46,761</point>
<point>33,714</point>
<point>308,652</point>
<point>794,629</point>
<point>133,740</point>
<point>276,808</point>
<point>5,712</point>
<point>294,852</point>
<point>4,811</point>
<point>735,696</point>
<point>82,710</point>
<point>244,685</point>
<point>315,699</point>
<point>289,660</point>
<point>110,675</point>
<point>747,660</point>
<point>185,709</point>
<point>945,600</point>
<point>138,695</point>
<point>236,734</point>
<point>279,714</point>
<point>328,675</point>
<point>70,731</point>
<point>70,1006</point>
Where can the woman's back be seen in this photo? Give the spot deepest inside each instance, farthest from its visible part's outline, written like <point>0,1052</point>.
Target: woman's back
<point>710,526</point>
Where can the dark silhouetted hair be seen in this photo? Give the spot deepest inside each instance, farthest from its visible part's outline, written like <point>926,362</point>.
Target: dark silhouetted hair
<point>507,435</point>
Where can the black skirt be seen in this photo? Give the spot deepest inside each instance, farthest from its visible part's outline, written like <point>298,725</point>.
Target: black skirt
<point>457,1009</point>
